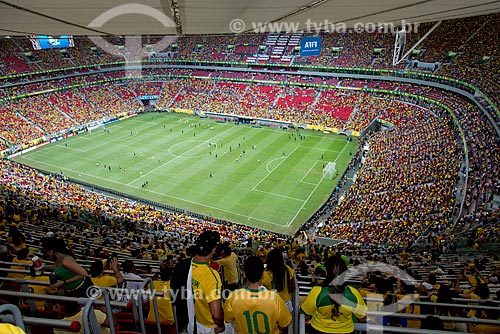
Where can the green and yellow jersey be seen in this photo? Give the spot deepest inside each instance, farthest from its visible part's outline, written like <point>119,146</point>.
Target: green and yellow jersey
<point>206,289</point>
<point>319,305</point>
<point>39,289</point>
<point>267,281</point>
<point>256,311</point>
<point>164,304</point>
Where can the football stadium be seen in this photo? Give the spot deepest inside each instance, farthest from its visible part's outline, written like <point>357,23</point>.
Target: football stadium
<point>249,167</point>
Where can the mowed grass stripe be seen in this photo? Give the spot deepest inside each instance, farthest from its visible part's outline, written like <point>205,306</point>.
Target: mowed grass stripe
<point>195,148</point>
<point>226,170</point>
<point>287,175</point>
<point>181,177</point>
<point>229,176</point>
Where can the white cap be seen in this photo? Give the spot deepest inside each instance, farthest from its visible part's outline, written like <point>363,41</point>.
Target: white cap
<point>427,285</point>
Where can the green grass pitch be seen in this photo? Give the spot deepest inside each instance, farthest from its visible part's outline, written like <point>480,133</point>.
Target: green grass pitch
<point>261,177</point>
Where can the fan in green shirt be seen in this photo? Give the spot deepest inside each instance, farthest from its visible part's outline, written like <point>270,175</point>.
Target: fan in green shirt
<point>334,307</point>
<point>68,274</point>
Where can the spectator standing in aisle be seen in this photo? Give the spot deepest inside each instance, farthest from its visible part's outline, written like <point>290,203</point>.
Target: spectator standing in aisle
<point>162,284</point>
<point>279,276</point>
<point>333,305</point>
<point>206,287</point>
<point>229,261</point>
<point>256,309</point>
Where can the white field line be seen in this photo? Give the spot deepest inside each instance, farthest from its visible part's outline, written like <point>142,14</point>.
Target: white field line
<point>161,194</point>
<point>270,172</point>
<point>119,138</point>
<point>312,192</point>
<point>311,183</point>
<point>279,195</point>
<point>309,134</point>
<point>319,149</point>
<point>310,169</point>
<point>178,156</point>
<point>269,163</point>
<point>69,148</point>
<point>94,137</point>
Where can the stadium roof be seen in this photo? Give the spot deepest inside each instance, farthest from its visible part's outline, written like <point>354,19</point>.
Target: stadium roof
<point>57,17</point>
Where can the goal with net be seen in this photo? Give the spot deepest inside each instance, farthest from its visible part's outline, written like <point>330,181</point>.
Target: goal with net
<point>94,127</point>
<point>330,170</point>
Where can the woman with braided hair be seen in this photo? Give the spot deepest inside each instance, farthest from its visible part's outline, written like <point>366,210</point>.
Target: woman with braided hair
<point>279,277</point>
<point>334,306</point>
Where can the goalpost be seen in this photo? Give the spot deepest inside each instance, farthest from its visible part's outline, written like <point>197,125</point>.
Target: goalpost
<point>330,170</point>
<point>95,127</point>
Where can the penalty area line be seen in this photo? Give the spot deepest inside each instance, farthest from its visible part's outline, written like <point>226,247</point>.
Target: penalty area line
<point>161,194</point>
<point>312,192</point>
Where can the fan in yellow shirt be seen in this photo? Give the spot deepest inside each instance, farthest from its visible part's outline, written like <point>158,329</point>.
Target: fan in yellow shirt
<point>256,309</point>
<point>36,274</point>
<point>21,258</point>
<point>164,304</point>
<point>279,276</point>
<point>262,253</point>
<point>10,329</point>
<point>207,286</point>
<point>229,261</point>
<point>333,305</point>
<point>106,281</point>
<point>490,314</point>
<point>444,296</point>
<point>101,318</point>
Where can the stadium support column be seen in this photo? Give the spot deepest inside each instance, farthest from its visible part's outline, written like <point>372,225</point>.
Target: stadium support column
<point>173,7</point>
<point>399,45</point>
